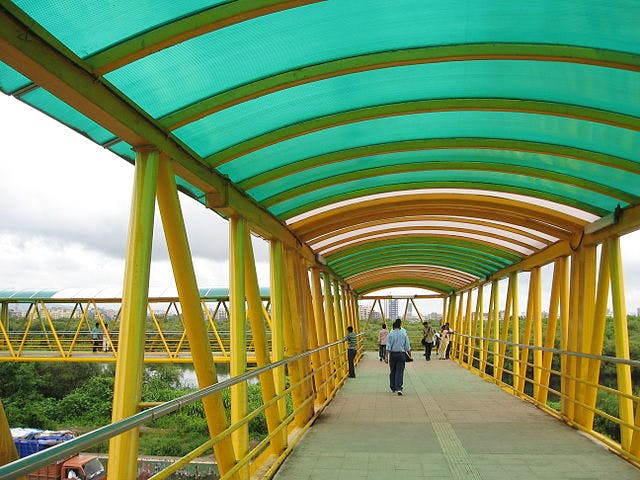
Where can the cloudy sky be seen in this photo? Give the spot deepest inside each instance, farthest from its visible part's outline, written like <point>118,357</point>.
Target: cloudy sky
<point>64,209</point>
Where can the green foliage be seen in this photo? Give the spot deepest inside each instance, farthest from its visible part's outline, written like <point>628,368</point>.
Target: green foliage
<point>608,403</point>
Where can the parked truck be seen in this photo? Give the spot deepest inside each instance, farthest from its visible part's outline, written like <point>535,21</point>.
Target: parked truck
<point>82,466</point>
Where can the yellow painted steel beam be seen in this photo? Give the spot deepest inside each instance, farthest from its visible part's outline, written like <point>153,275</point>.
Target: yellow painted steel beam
<point>330,324</point>
<point>466,343</point>
<point>258,330</point>
<point>123,449</point>
<point>321,331</point>
<point>537,331</point>
<point>585,330</point>
<point>596,338</point>
<point>572,336</point>
<point>495,320</point>
<point>625,385</point>
<point>277,318</point>
<point>559,275</point>
<point>192,316</point>
<point>8,451</point>
<point>238,365</point>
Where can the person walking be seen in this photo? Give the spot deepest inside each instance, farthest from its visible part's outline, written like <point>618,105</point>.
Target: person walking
<point>397,347</point>
<point>352,348</point>
<point>445,343</point>
<point>383,334</point>
<point>96,337</point>
<point>428,334</point>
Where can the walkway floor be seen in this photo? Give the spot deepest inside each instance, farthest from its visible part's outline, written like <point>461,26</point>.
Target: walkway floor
<point>450,424</point>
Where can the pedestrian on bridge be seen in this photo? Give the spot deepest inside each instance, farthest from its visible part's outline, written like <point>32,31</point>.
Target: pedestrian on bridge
<point>96,336</point>
<point>352,348</point>
<point>398,350</point>
<point>383,334</point>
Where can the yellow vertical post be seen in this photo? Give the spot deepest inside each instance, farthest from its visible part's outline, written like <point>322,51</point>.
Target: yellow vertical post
<point>479,330</point>
<point>8,451</point>
<point>504,333</point>
<point>487,332</point>
<point>258,330</point>
<point>444,310</point>
<point>625,386</point>
<point>455,352</point>
<point>238,362</point>
<point>585,324</point>
<point>537,333</point>
<point>340,328</point>
<point>123,449</point>
<point>331,326</point>
<point>321,331</point>
<point>570,338</point>
<point>515,328</point>
<point>277,318</point>
<point>495,314</point>
<point>468,325</point>
<point>293,342</point>
<point>183,272</point>
<point>316,361</point>
<point>559,275</point>
<point>597,336</point>
<point>528,327</point>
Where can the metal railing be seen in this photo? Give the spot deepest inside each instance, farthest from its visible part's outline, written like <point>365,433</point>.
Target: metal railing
<point>537,381</point>
<point>337,373</point>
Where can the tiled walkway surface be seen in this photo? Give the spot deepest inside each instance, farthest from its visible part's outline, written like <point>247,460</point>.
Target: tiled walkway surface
<point>450,424</point>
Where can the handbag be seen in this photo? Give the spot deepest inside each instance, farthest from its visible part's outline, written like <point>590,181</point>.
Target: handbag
<point>407,357</point>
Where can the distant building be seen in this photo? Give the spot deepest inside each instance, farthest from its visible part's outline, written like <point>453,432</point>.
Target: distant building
<point>392,309</point>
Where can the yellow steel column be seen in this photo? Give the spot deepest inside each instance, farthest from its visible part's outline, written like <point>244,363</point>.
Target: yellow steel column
<point>8,451</point>
<point>238,363</point>
<point>479,330</point>
<point>559,275</point>
<point>127,390</point>
<point>625,385</point>
<point>537,332</point>
<point>571,343</point>
<point>340,328</point>
<point>528,327</point>
<point>495,319</point>
<point>277,318</point>
<point>585,327</point>
<point>312,334</point>
<point>597,336</point>
<point>515,328</point>
<point>183,272</point>
<point>321,331</point>
<point>504,334</point>
<point>468,331</point>
<point>258,330</point>
<point>331,328</point>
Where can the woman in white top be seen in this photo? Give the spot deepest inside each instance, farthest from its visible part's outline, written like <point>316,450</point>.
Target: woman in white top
<point>383,334</point>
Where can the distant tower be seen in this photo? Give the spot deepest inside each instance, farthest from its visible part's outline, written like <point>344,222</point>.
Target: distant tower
<point>392,309</point>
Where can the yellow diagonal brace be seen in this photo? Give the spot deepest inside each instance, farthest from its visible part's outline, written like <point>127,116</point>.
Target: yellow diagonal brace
<point>193,319</point>
<point>267,385</point>
<point>123,449</point>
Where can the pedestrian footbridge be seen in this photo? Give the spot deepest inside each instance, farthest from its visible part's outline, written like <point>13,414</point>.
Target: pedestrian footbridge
<point>485,152</point>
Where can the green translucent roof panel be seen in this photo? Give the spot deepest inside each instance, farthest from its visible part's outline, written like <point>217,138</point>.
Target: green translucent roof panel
<point>587,200</point>
<point>515,126</point>
<point>607,176</point>
<point>45,102</point>
<point>124,150</point>
<point>584,85</point>
<point>110,22</point>
<point>10,80</point>
<point>166,80</point>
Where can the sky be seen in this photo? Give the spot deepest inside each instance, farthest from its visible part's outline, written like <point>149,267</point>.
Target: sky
<point>64,212</point>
